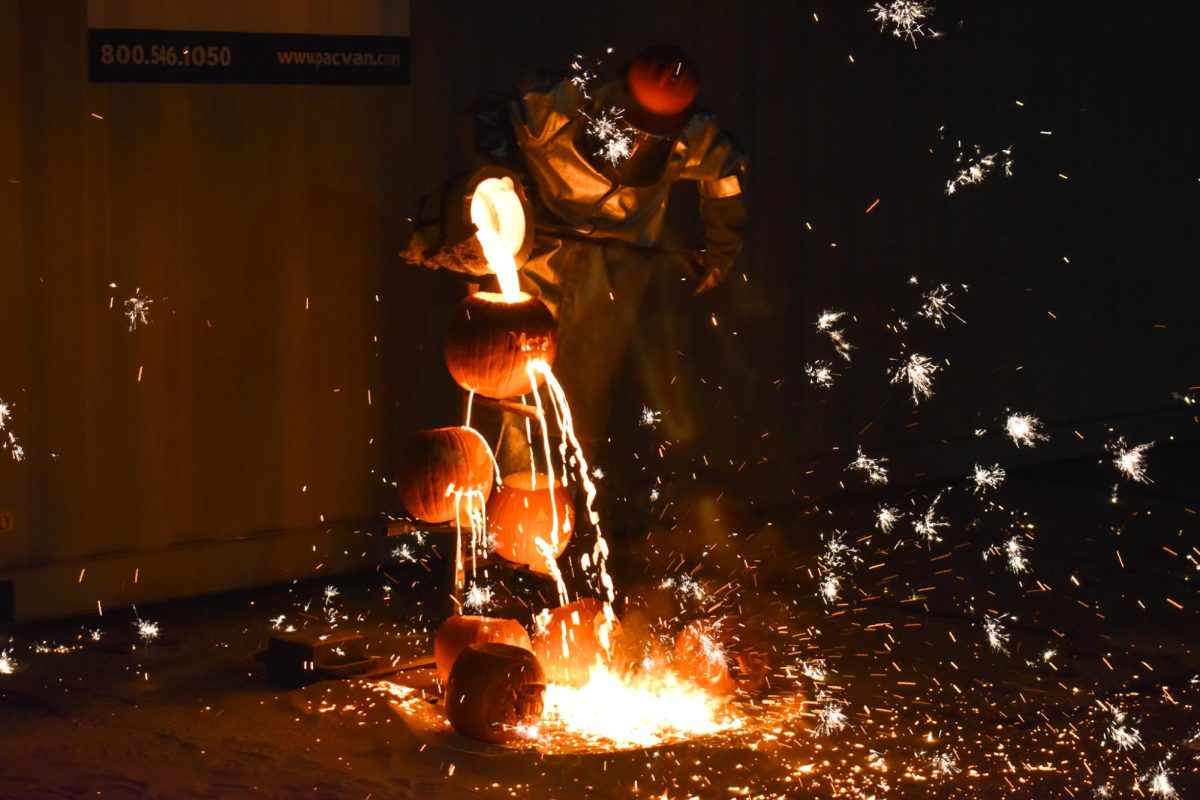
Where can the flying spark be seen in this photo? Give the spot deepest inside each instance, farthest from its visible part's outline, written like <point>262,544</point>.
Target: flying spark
<point>918,372</point>
<point>1015,553</point>
<point>137,309</point>
<point>938,306</point>
<point>649,417</point>
<point>837,557</point>
<point>820,373</point>
<point>583,72</point>
<point>7,664</point>
<point>979,168</point>
<point>814,669</point>
<point>13,446</point>
<point>9,442</point>
<point>609,130</point>
<point>987,478</point>
<point>886,517</point>
<point>928,523</point>
<point>1123,737</point>
<point>831,718</point>
<point>148,631</point>
<point>685,586</point>
<point>830,588</point>
<point>1131,461</point>
<point>825,325</point>
<point>945,764</point>
<point>581,77</point>
<point>1158,782</point>
<point>997,637</point>
<point>1024,430</point>
<point>873,467</point>
<point>478,597</point>
<point>906,17</point>
<point>404,554</point>
<point>827,318</point>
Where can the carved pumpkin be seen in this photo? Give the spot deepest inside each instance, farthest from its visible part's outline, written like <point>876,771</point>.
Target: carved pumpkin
<point>493,688</point>
<point>702,658</point>
<point>517,515</point>
<point>432,461</point>
<point>489,342</point>
<point>571,642</point>
<point>459,632</point>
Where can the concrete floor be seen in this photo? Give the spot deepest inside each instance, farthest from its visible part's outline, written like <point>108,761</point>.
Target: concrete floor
<point>1104,619</point>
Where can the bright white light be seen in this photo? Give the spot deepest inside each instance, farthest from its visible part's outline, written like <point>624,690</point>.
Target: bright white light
<point>907,18</point>
<point>1131,461</point>
<point>1123,736</point>
<point>872,467</point>
<point>976,170</point>
<point>609,129</point>
<point>927,524</point>
<point>137,309</point>
<point>478,597</point>
<point>831,718</point>
<point>938,306</point>
<point>886,517</point>
<point>997,637</point>
<point>825,323</point>
<point>917,371</point>
<point>820,373</point>
<point>986,478</point>
<point>642,710</point>
<point>1024,430</point>
<point>649,417</point>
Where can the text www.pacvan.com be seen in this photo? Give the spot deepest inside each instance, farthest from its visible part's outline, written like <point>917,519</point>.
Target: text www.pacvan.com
<point>316,58</point>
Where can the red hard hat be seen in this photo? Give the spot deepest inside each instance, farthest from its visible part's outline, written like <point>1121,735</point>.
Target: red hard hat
<point>663,80</point>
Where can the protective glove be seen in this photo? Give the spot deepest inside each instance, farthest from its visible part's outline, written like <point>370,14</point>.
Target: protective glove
<point>711,273</point>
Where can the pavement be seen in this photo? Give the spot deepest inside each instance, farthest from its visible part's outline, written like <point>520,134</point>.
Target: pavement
<point>1065,665</point>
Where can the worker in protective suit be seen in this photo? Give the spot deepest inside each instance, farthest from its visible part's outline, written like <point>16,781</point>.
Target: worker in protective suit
<point>598,164</point>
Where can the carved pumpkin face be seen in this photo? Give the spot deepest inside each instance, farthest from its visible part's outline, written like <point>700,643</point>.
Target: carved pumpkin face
<point>573,640</point>
<point>433,461</point>
<point>518,515</point>
<point>459,632</point>
<point>493,688</point>
<point>489,342</point>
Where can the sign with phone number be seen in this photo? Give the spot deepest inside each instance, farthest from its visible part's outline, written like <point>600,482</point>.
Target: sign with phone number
<point>125,55</point>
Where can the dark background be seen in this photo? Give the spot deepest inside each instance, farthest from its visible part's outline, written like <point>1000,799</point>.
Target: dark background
<point>247,435</point>
<point>1104,338</point>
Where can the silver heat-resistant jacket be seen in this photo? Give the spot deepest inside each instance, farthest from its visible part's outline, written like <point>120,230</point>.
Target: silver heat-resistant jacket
<point>548,121</point>
<point>597,238</point>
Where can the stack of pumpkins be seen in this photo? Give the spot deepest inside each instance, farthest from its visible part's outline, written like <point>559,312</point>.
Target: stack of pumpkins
<point>495,675</point>
<point>490,342</point>
<point>493,679</point>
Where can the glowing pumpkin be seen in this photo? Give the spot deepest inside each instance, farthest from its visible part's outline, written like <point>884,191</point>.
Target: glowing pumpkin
<point>460,632</point>
<point>573,639</point>
<point>493,689</point>
<point>433,461</point>
<point>702,658</point>
<point>489,342</point>
<point>518,515</point>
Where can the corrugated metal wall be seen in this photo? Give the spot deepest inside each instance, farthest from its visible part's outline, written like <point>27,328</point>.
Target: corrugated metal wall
<point>262,399</point>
